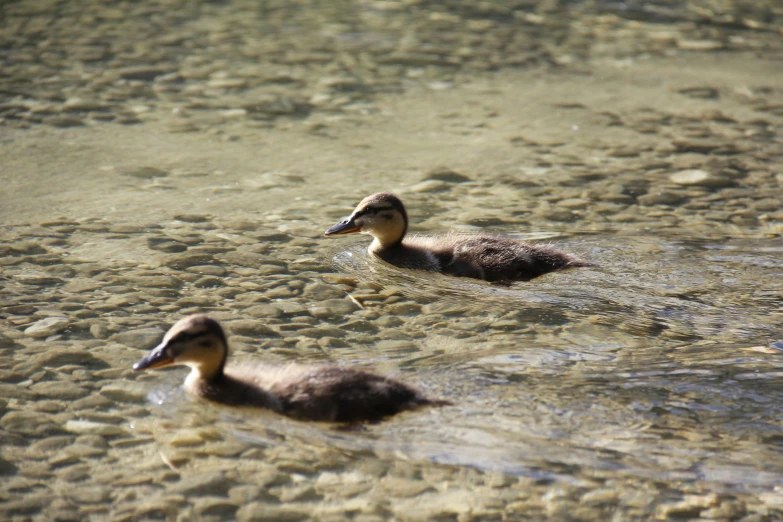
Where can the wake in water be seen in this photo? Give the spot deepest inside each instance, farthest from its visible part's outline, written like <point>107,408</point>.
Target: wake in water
<point>646,284</point>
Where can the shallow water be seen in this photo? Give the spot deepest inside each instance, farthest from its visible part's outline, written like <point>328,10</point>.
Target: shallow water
<point>190,162</point>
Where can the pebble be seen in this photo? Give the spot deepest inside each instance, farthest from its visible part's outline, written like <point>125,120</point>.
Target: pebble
<point>47,327</point>
<point>291,307</point>
<point>263,310</point>
<point>209,282</point>
<point>701,178</point>
<point>323,331</point>
<point>250,328</point>
<point>398,487</point>
<point>64,390</point>
<point>599,497</point>
<point>30,423</point>
<point>159,281</point>
<point>186,260</point>
<point>124,392</point>
<point>389,321</point>
<point>198,484</point>
<point>122,301</point>
<point>699,45</point>
<point>166,245</point>
<point>281,292</point>
<point>339,279</point>
<point>360,325</point>
<point>661,197</point>
<point>447,175</point>
<point>396,346</point>
<point>431,185</point>
<point>193,218</point>
<point>250,259</point>
<point>322,292</point>
<point>332,308</point>
<point>404,309</point>
<point>77,286</point>
<point>690,506</point>
<point>141,338</point>
<point>215,507</point>
<point>151,508</point>
<point>99,331</point>
<point>767,205</point>
<point>187,437</point>
<point>49,445</point>
<point>97,428</point>
<point>265,512</point>
<point>30,504</point>
<point>145,173</point>
<point>83,451</point>
<point>211,270</point>
<point>690,177</point>
<point>93,495</point>
<point>773,499</point>
<point>452,504</point>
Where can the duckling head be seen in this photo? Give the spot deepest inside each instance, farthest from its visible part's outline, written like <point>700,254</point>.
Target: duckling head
<point>197,341</point>
<point>381,215</point>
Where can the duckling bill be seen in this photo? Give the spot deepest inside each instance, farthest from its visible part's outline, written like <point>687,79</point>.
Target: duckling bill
<point>318,393</point>
<point>490,258</point>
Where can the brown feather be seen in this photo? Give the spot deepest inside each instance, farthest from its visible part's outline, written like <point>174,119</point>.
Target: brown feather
<point>309,392</point>
<point>485,257</point>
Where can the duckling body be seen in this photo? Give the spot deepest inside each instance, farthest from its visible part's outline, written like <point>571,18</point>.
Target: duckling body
<point>318,393</point>
<point>485,257</point>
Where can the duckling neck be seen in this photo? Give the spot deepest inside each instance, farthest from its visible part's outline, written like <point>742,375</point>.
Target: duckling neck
<point>197,376</point>
<point>206,371</point>
<point>381,245</point>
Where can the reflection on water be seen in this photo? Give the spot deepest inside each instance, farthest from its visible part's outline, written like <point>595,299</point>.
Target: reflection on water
<point>190,164</point>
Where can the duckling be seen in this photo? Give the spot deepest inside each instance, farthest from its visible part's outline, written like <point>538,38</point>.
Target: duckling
<point>491,258</point>
<point>318,393</point>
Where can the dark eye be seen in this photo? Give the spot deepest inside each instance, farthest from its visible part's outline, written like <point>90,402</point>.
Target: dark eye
<point>184,337</point>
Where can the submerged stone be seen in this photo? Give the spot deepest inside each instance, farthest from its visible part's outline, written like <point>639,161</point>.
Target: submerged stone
<point>47,327</point>
<point>98,428</point>
<point>141,338</point>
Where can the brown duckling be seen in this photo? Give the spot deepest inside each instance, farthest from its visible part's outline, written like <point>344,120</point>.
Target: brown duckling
<point>318,393</point>
<point>485,257</point>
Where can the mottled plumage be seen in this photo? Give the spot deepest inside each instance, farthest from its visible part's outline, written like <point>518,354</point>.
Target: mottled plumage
<point>318,393</point>
<point>485,257</point>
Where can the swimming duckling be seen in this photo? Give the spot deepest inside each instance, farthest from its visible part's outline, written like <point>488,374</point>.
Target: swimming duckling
<point>490,258</point>
<point>317,393</point>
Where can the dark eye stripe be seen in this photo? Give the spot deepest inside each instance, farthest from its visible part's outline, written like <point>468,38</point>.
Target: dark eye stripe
<point>371,210</point>
<point>183,337</point>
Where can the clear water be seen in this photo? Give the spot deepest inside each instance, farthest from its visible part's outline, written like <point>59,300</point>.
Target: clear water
<point>649,385</point>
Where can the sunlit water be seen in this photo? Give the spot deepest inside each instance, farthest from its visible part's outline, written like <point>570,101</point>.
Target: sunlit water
<point>199,178</point>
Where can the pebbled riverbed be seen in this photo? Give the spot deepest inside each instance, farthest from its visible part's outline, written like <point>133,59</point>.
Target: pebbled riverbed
<point>170,158</point>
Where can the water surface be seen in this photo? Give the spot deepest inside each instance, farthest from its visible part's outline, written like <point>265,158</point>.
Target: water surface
<point>169,159</point>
